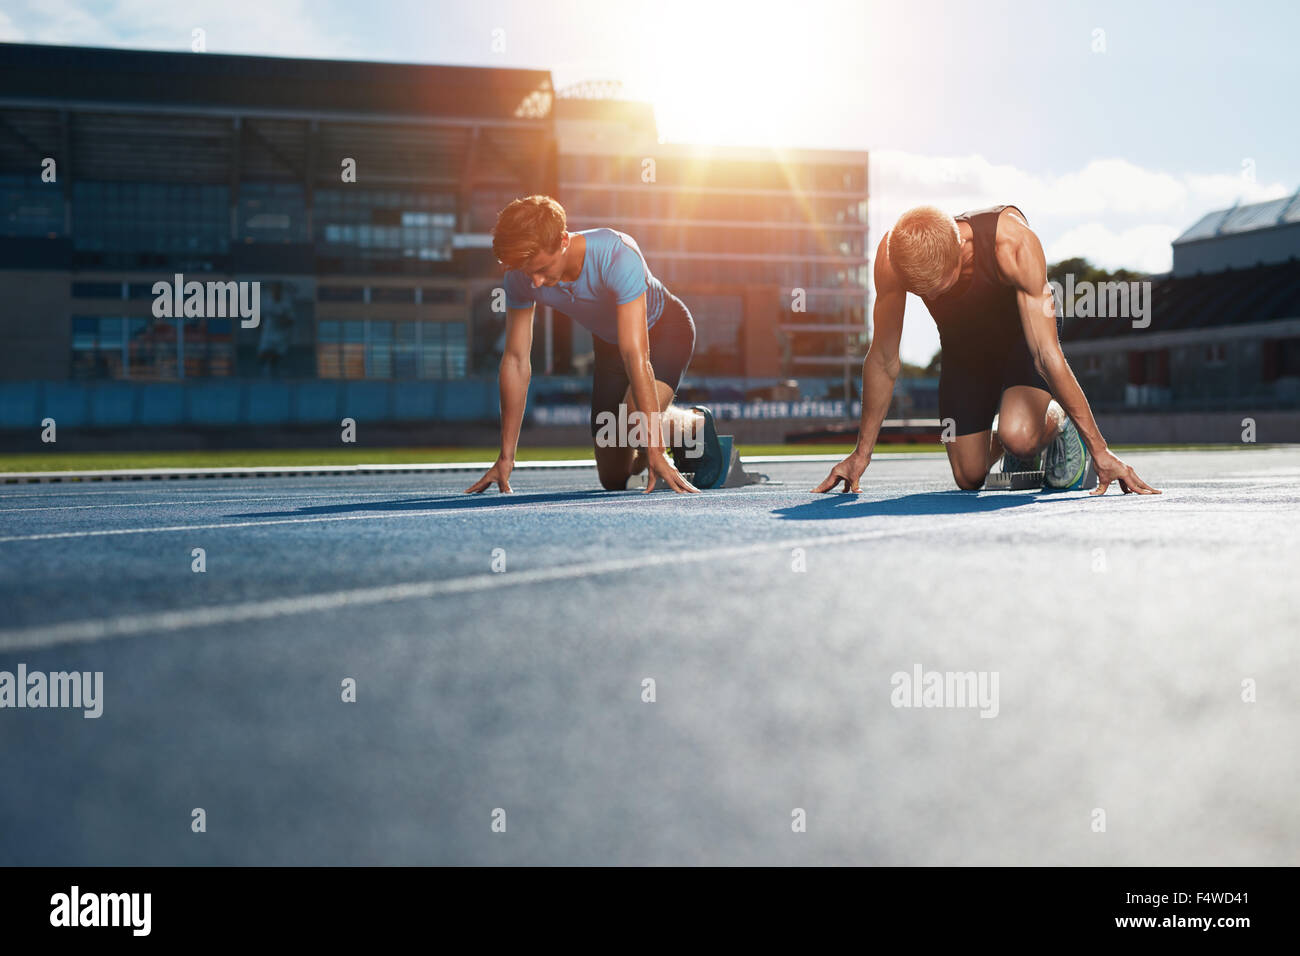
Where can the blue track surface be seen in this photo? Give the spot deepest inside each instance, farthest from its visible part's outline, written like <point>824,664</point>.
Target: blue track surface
<point>1121,630</point>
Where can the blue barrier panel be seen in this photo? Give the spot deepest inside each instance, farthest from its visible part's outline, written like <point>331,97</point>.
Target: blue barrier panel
<point>268,402</point>
<point>161,404</point>
<point>65,402</point>
<point>18,405</point>
<point>112,404</point>
<point>214,403</point>
<point>318,403</point>
<point>368,401</point>
<point>468,400</point>
<point>414,401</point>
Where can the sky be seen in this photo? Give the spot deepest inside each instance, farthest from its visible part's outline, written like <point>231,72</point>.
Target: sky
<point>1113,125</point>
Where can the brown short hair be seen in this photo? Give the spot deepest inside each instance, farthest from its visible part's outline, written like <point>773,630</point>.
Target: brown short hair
<point>526,227</point>
<point>924,247</point>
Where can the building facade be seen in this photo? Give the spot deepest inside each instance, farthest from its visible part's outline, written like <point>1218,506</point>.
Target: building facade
<point>360,196</point>
<point>358,200</point>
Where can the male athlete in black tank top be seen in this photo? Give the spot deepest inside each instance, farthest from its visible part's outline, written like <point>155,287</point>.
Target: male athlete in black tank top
<point>984,348</point>
<point>983,276</point>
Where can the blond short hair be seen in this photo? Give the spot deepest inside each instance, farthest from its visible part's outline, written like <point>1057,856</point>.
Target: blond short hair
<point>924,247</point>
<point>526,227</point>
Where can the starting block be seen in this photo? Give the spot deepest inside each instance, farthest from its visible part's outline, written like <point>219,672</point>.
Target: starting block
<point>1013,481</point>
<point>733,473</point>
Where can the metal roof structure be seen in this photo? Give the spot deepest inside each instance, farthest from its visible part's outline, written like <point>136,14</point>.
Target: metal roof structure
<point>1249,218</point>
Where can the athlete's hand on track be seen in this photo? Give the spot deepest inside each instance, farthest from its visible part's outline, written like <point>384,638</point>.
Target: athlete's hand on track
<point>499,473</point>
<point>847,471</point>
<point>658,464</point>
<point>1110,468</point>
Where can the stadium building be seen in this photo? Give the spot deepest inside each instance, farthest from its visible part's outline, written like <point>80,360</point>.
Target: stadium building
<point>119,169</point>
<point>1224,327</point>
<point>360,197</point>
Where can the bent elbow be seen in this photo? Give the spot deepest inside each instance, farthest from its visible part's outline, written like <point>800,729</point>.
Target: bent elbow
<point>633,358</point>
<point>890,365</point>
<point>1049,363</point>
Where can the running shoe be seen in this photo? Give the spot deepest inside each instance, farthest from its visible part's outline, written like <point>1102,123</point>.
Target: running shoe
<point>708,467</point>
<point>1067,466</point>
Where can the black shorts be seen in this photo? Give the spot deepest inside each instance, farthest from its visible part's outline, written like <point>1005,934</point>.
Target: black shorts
<point>972,380</point>
<point>672,342</point>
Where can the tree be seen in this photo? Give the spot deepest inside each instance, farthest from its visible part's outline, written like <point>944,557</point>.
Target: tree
<point>1085,271</point>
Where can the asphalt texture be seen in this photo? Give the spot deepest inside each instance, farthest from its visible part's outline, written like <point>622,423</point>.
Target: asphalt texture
<point>1145,651</point>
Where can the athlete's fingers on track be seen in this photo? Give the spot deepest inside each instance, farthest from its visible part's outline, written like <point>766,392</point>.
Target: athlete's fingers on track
<point>1142,487</point>
<point>829,483</point>
<point>677,482</point>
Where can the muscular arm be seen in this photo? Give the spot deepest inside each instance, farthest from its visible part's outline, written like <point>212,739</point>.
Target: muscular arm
<point>634,347</point>
<point>880,367</point>
<point>1021,261</point>
<point>516,370</point>
<point>879,371</point>
<point>515,373</point>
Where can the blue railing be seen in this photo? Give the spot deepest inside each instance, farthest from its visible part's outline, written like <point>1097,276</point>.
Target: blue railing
<point>234,402</point>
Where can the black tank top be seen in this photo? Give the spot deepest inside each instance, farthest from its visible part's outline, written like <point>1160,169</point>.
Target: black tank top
<point>978,316</point>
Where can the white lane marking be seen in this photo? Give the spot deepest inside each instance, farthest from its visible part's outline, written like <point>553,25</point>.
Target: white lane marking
<point>361,468</point>
<point>423,513</point>
<point>191,502</point>
<point>80,632</point>
<point>199,490</point>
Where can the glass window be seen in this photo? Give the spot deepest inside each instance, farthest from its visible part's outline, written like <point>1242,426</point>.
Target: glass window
<point>144,218</point>
<point>29,207</point>
<point>379,345</point>
<point>404,351</point>
<point>329,337</point>
<point>353,357</point>
<point>455,349</point>
<point>431,350</point>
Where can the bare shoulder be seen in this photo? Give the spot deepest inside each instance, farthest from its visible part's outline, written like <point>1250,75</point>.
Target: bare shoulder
<point>1019,253</point>
<point>887,280</point>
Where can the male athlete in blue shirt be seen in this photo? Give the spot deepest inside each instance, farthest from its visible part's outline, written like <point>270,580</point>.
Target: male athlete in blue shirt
<point>642,336</point>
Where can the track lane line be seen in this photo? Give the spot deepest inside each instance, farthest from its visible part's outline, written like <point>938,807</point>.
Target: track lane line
<point>513,507</point>
<point>130,625</point>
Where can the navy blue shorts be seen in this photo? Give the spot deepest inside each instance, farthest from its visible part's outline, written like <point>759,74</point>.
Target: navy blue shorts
<point>672,342</point>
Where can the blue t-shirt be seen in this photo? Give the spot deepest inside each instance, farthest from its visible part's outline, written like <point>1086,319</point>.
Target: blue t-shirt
<point>614,272</point>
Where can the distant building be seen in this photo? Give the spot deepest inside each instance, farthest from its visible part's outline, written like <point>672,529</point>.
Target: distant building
<point>1261,234</point>
<point>1224,326</point>
<point>768,248</point>
<point>119,169</point>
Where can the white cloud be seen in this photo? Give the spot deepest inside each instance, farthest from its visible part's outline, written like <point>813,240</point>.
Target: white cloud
<point>283,28</point>
<point>1121,195</point>
<point>63,21</point>
<point>1144,248</point>
<point>9,32</point>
